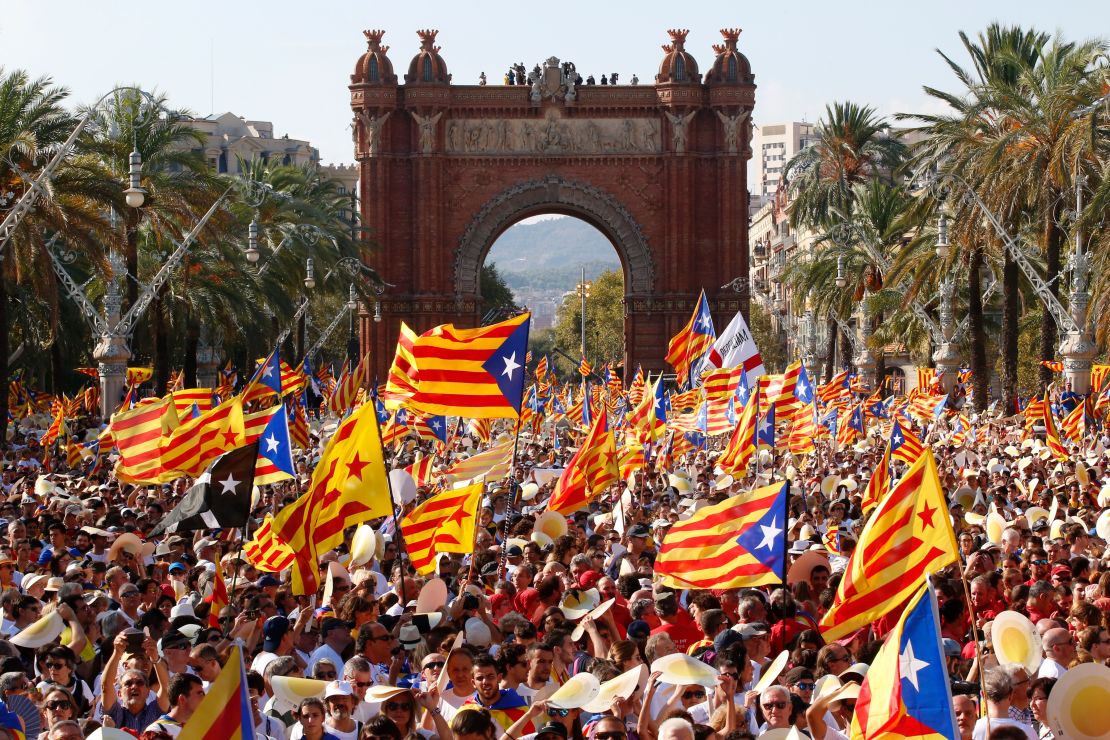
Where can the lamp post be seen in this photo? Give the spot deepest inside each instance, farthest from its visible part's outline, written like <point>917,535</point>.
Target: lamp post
<point>583,290</point>
<point>1077,348</point>
<point>352,340</point>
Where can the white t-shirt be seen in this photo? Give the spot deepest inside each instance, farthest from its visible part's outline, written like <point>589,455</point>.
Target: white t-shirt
<point>263,659</point>
<point>980,730</point>
<point>1051,669</point>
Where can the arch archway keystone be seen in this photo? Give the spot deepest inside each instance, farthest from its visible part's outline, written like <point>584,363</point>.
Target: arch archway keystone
<point>659,168</point>
<point>554,194</point>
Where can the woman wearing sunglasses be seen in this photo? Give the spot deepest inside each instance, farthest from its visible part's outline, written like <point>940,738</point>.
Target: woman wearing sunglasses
<point>406,708</point>
<point>57,706</point>
<point>547,718</point>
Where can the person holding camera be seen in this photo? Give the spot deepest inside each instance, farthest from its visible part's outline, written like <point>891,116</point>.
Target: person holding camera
<point>127,705</point>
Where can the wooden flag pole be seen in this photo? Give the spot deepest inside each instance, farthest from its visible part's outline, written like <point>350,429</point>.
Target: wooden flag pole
<point>393,507</point>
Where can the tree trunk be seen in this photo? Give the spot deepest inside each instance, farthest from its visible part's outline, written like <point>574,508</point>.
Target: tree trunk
<point>1008,373</point>
<point>980,371</point>
<point>56,367</point>
<point>1052,240</point>
<point>160,345</point>
<point>880,355</point>
<point>830,352</point>
<point>3,355</point>
<point>189,364</point>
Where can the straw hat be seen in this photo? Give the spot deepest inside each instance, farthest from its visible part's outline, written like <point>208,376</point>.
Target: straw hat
<point>621,687</point>
<point>126,541</point>
<point>542,540</point>
<point>1102,525</point>
<point>995,525</point>
<point>1015,640</point>
<point>829,484</point>
<point>579,690</point>
<point>801,568</point>
<point>1034,514</point>
<point>1072,706</point>
<point>680,669</point>
<point>381,693</point>
<point>529,491</point>
<point>433,596</point>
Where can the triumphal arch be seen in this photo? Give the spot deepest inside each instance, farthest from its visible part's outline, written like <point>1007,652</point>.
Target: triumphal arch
<point>659,167</point>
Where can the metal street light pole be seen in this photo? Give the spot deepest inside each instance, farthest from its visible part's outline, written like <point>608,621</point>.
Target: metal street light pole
<point>583,289</point>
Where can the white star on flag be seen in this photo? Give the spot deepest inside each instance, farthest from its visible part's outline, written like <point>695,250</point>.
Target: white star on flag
<point>909,666</point>
<point>896,439</point>
<point>770,534</point>
<point>437,425</point>
<point>229,485</point>
<point>764,426</point>
<point>267,370</point>
<point>271,443</point>
<point>510,365</point>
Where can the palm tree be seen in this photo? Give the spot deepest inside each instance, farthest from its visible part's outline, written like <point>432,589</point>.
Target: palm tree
<point>852,146</point>
<point>33,125</point>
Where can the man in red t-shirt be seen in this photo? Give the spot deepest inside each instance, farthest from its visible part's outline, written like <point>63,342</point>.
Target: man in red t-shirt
<point>675,622</point>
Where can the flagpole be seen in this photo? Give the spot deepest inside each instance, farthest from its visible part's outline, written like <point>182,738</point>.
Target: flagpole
<point>785,549</point>
<point>393,507</point>
<point>975,639</point>
<point>474,539</point>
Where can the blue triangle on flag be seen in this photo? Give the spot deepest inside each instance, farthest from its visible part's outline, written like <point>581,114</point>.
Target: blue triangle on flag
<point>506,365</point>
<point>274,443</point>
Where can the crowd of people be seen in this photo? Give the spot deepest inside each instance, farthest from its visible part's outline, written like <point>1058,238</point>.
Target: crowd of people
<point>552,628</point>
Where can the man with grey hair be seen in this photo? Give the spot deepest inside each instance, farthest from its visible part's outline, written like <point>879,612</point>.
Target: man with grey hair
<point>676,728</point>
<point>1019,699</point>
<point>777,707</point>
<point>275,707</point>
<point>998,689</point>
<point>356,671</point>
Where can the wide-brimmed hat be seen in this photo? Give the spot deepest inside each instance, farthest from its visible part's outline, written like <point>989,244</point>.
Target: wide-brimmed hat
<point>295,689</point>
<point>681,669</point>
<point>40,632</point>
<point>1073,706</point>
<point>1015,640</point>
<point>579,690</point>
<point>578,603</point>
<point>552,524</point>
<point>621,687</point>
<point>772,671</point>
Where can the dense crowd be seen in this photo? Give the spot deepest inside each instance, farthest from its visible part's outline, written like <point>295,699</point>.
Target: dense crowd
<point>551,628</point>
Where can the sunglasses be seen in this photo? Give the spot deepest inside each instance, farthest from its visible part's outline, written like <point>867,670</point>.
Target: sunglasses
<point>132,684</point>
<point>58,704</point>
<point>774,705</point>
<point>1039,562</point>
<point>434,665</point>
<point>806,686</point>
<point>553,712</point>
<point>693,695</point>
<point>57,666</point>
<point>326,674</point>
<point>394,706</point>
<point>363,684</point>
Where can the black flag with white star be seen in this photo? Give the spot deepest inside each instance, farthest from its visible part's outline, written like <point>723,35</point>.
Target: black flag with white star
<point>221,496</point>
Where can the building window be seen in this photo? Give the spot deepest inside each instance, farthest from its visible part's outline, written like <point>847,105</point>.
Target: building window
<point>680,69</point>
<point>373,69</point>
<point>222,166</point>
<point>427,69</point>
<point>732,69</point>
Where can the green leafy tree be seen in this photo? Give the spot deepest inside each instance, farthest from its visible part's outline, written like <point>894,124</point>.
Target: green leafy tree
<point>604,323</point>
<point>497,297</point>
<point>771,346</point>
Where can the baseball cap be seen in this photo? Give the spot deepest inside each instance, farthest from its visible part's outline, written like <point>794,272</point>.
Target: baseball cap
<point>638,629</point>
<point>267,580</point>
<point>331,623</point>
<point>1061,570</point>
<point>552,728</point>
<point>639,530</point>
<point>749,630</point>
<point>273,629</point>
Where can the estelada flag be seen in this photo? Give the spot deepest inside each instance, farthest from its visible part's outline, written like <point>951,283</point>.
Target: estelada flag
<point>443,523</point>
<point>474,373</point>
<point>906,692</point>
<point>591,470</point>
<point>1051,436</point>
<point>692,341</point>
<point>225,711</point>
<point>737,543</point>
<point>908,536</point>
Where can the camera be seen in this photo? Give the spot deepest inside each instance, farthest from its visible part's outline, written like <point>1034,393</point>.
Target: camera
<point>470,601</point>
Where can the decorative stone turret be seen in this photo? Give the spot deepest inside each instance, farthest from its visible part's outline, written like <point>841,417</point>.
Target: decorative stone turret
<point>374,67</point>
<point>427,67</point>
<point>730,67</point>
<point>679,65</point>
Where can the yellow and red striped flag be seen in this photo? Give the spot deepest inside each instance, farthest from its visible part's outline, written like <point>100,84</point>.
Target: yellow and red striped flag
<point>803,428</point>
<point>266,551</point>
<point>443,523</point>
<point>1054,365</point>
<point>692,341</point>
<point>741,445</point>
<point>400,384</point>
<point>584,368</point>
<point>475,373</point>
<point>1051,436</point>
<point>904,444</point>
<point>348,487</point>
<point>57,426</point>
<point>183,400</point>
<point>421,469</point>
<point>298,429</point>
<point>1074,425</point>
<point>722,382</point>
<point>631,456</point>
<point>636,388</point>
<point>137,434</point>
<point>836,388</point>
<point>737,543</point>
<point>139,375</point>
<point>219,598</point>
<point>225,711</point>
<point>879,485</point>
<point>908,536</point>
<point>591,470</point>
<point>347,387</point>
<point>492,464</point>
<point>480,428</point>
<point>194,445</point>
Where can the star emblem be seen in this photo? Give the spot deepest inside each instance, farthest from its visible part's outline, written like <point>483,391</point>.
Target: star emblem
<point>909,666</point>
<point>355,466</point>
<point>230,437</point>
<point>703,321</point>
<point>764,426</point>
<point>268,370</point>
<point>229,484</point>
<point>511,365</point>
<point>926,516</point>
<point>437,425</point>
<point>770,534</point>
<point>897,440</point>
<point>271,443</point>
<point>458,516</point>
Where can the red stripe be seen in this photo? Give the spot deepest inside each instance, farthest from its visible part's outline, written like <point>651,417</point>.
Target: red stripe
<point>864,602</point>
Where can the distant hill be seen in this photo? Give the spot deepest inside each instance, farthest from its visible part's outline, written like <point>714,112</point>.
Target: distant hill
<point>551,253</point>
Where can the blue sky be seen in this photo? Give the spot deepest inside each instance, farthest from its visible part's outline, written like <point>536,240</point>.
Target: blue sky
<point>290,62</point>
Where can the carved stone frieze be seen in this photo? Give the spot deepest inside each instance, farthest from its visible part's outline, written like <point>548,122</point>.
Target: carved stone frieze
<point>554,136</point>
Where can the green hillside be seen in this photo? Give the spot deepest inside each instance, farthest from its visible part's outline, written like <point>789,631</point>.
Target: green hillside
<point>550,254</point>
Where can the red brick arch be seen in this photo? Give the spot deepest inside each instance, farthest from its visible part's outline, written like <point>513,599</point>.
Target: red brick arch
<point>658,168</point>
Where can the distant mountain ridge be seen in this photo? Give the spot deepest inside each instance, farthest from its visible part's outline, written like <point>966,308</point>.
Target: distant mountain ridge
<point>551,254</point>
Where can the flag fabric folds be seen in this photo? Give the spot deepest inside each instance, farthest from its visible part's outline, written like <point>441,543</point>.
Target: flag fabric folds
<point>908,536</point>
<point>137,434</point>
<point>193,446</point>
<point>219,598</point>
<point>266,551</point>
<point>591,470</point>
<point>474,373</point>
<point>735,348</point>
<point>906,692</point>
<point>225,712</point>
<point>220,498</point>
<point>904,444</point>
<point>879,485</point>
<point>741,445</point>
<point>275,450</point>
<point>1051,435</point>
<point>443,523</point>
<point>400,384</point>
<point>737,543</point>
<point>688,346</point>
